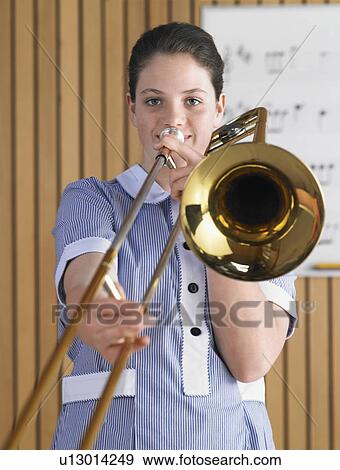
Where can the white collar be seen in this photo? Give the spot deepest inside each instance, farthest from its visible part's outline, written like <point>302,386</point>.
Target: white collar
<point>132,180</point>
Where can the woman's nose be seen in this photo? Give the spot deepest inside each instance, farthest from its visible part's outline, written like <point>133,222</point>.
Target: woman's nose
<point>174,117</point>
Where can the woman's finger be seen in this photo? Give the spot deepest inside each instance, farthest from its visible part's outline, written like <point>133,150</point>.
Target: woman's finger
<point>187,153</point>
<point>111,352</point>
<point>177,187</point>
<point>179,173</point>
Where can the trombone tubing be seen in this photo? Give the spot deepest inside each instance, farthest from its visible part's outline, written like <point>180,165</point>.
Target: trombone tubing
<point>105,399</point>
<point>54,363</point>
<point>104,402</point>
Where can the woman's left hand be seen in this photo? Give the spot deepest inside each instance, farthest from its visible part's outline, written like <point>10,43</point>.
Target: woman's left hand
<point>185,158</point>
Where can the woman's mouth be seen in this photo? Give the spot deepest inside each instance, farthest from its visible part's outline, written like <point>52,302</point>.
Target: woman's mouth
<point>186,137</point>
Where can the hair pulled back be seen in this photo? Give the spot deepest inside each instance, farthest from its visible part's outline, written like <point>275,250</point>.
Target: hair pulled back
<point>174,38</point>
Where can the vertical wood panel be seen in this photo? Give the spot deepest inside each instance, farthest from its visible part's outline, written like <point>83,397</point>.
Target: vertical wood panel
<point>25,222</point>
<point>115,89</point>
<point>69,92</point>
<point>6,226</point>
<point>158,13</point>
<point>180,10</point>
<point>319,365</point>
<point>297,405</point>
<point>135,27</point>
<point>335,364</point>
<point>47,204</point>
<point>92,69</point>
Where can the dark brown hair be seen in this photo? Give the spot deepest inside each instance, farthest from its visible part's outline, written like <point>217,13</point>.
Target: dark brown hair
<point>174,38</point>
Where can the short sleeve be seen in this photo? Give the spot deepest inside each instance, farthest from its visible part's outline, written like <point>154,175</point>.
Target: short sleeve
<point>281,291</point>
<point>85,223</point>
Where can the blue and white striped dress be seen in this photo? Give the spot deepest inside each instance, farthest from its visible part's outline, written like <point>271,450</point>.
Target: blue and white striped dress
<point>176,393</point>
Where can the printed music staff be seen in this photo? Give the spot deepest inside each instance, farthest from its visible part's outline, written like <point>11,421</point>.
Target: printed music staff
<point>323,172</point>
<point>243,54</point>
<point>276,120</point>
<point>274,61</point>
<point>321,118</point>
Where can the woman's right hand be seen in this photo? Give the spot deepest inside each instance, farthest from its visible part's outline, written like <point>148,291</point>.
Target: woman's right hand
<point>105,323</point>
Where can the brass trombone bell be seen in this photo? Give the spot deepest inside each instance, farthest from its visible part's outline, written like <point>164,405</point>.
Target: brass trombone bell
<point>252,211</point>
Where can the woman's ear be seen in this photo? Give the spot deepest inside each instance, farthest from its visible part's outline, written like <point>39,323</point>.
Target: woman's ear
<point>132,109</point>
<point>220,106</point>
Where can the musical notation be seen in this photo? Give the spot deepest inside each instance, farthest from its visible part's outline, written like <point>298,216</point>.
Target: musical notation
<point>322,61</point>
<point>298,108</point>
<point>274,61</point>
<point>292,118</point>
<point>297,81</point>
<point>321,118</point>
<point>298,116</point>
<point>276,120</point>
<point>323,172</point>
<point>243,54</point>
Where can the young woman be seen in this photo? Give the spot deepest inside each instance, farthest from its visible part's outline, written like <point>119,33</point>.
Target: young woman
<point>192,382</point>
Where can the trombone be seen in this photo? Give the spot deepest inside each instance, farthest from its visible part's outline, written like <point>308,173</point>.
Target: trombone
<point>251,211</point>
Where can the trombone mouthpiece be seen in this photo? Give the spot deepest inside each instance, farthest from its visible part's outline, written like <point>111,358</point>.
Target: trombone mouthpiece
<point>173,131</point>
<point>166,152</point>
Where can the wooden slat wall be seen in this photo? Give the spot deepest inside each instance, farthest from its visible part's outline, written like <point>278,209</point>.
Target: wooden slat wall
<point>46,200</point>
<point>69,163</point>
<point>25,201</point>
<point>334,363</point>
<point>7,268</point>
<point>295,408</point>
<point>63,117</point>
<point>114,111</point>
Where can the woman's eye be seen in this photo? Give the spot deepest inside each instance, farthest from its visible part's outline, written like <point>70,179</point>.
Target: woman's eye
<point>194,101</point>
<point>156,101</point>
<point>152,101</point>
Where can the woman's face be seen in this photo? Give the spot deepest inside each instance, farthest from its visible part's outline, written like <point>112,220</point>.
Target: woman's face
<point>174,90</point>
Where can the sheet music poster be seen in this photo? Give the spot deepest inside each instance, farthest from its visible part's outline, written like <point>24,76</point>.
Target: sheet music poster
<point>287,59</point>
